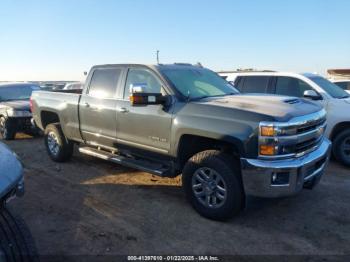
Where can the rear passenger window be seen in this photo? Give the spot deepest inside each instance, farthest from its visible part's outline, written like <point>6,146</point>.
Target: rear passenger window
<point>255,84</point>
<point>104,82</point>
<point>290,86</point>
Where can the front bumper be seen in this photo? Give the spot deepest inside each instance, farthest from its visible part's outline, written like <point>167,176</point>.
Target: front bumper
<point>258,174</point>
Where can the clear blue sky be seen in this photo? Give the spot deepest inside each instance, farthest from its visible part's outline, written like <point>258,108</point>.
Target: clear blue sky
<point>59,39</point>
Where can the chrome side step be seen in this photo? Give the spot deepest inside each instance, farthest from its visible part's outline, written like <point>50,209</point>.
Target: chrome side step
<point>143,165</point>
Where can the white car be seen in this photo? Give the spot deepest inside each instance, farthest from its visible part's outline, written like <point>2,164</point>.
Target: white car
<point>343,83</point>
<point>311,86</point>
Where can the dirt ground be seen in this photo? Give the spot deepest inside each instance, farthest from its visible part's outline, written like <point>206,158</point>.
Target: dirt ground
<point>92,207</point>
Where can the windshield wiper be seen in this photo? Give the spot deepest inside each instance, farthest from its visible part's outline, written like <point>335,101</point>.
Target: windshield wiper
<point>203,97</point>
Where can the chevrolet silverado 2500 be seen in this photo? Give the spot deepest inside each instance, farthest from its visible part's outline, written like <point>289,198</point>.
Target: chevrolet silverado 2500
<point>182,119</point>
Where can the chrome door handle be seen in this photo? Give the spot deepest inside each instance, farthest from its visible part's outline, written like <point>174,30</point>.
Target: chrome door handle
<point>122,110</point>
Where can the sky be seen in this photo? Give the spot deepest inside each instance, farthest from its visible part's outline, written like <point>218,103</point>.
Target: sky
<point>60,39</point>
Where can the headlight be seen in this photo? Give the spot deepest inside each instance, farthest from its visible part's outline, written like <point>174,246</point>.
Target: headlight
<point>18,113</point>
<point>267,144</point>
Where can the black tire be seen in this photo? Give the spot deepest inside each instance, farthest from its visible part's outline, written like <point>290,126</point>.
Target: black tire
<point>7,131</point>
<point>16,243</point>
<point>63,149</point>
<point>228,170</point>
<point>341,147</point>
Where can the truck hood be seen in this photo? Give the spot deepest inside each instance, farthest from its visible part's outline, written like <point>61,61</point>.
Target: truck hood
<point>280,108</point>
<point>10,170</point>
<point>16,104</point>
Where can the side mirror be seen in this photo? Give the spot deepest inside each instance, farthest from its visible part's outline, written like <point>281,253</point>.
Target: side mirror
<point>139,96</point>
<point>311,94</point>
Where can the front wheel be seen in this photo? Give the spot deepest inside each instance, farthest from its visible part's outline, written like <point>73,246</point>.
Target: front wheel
<point>7,132</point>
<point>58,147</point>
<point>213,186</point>
<point>341,147</point>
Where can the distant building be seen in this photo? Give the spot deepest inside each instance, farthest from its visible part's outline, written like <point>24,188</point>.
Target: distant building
<point>338,73</point>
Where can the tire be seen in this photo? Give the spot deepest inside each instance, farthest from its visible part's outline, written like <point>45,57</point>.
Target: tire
<point>16,243</point>
<point>6,130</point>
<point>59,148</point>
<point>341,147</point>
<point>222,168</point>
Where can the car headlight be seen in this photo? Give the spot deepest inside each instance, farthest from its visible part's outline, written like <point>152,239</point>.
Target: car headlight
<point>267,144</point>
<point>18,113</point>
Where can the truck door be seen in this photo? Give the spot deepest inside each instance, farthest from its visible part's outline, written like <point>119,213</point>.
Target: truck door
<point>97,107</point>
<point>144,127</point>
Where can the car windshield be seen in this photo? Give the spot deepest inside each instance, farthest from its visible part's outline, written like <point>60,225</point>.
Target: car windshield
<point>197,83</point>
<point>332,89</point>
<point>16,92</point>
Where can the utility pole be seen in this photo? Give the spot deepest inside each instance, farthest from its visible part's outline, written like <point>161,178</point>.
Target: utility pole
<point>158,57</point>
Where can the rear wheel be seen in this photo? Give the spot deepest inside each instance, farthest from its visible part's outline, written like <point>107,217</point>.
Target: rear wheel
<point>6,130</point>
<point>341,147</point>
<point>59,148</point>
<point>213,186</point>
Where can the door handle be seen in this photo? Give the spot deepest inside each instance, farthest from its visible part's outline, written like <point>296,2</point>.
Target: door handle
<point>122,110</point>
<point>87,104</point>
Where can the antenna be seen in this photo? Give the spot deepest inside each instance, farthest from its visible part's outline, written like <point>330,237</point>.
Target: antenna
<point>158,57</point>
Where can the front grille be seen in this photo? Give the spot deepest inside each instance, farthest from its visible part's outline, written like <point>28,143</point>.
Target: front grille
<point>298,136</point>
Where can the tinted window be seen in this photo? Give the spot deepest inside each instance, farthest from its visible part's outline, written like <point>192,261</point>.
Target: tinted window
<point>343,85</point>
<point>104,82</point>
<point>255,84</point>
<point>332,89</point>
<point>16,92</point>
<point>239,83</point>
<point>142,77</point>
<point>290,86</point>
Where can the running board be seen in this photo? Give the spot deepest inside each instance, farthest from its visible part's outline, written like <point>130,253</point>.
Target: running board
<point>143,165</point>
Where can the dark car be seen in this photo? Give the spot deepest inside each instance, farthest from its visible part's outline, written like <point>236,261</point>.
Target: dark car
<point>15,114</point>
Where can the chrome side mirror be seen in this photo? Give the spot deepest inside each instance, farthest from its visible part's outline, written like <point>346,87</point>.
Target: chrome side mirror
<point>312,94</point>
<point>138,88</point>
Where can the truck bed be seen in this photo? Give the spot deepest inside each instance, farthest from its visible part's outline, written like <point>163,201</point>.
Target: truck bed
<point>63,104</point>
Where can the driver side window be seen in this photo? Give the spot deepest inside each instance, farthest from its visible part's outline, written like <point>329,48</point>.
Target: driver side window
<point>143,77</point>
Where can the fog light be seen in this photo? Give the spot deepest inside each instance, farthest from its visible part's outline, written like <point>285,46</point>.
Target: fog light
<point>280,178</point>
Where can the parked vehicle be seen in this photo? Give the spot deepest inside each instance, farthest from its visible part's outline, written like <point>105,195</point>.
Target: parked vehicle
<point>15,115</point>
<point>16,243</point>
<point>182,119</point>
<point>343,83</point>
<point>74,86</point>
<point>11,174</point>
<point>311,86</point>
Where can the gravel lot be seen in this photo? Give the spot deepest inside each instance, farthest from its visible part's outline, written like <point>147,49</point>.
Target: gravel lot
<point>92,207</point>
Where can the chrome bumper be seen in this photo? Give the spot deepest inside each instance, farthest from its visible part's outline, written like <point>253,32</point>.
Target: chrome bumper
<point>258,175</point>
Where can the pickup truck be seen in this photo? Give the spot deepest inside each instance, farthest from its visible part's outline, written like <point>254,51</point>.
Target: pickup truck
<point>15,115</point>
<point>311,86</point>
<point>183,119</point>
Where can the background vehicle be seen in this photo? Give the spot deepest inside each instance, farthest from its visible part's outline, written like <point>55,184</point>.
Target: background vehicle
<point>334,99</point>
<point>73,86</point>
<point>343,83</point>
<point>16,243</point>
<point>173,119</point>
<point>15,115</point>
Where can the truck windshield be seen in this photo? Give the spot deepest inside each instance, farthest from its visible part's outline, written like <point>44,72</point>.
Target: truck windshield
<point>332,89</point>
<point>197,83</point>
<point>16,92</point>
